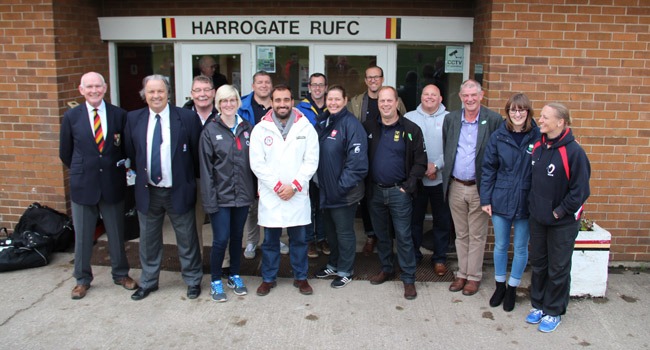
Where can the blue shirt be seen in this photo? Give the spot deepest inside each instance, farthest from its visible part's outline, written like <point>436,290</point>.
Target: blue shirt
<point>464,166</point>
<point>388,163</point>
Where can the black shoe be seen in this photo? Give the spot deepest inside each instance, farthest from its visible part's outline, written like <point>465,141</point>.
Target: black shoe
<point>509,300</point>
<point>142,293</point>
<point>498,295</point>
<point>193,292</point>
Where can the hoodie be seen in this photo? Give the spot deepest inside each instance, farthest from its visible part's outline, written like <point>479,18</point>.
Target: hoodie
<point>559,184</point>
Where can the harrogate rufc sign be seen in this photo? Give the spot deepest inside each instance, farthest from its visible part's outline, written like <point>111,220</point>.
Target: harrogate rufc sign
<point>359,28</point>
<point>278,27</point>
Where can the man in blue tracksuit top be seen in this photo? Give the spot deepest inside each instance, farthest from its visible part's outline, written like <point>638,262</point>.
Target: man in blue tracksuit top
<point>312,106</point>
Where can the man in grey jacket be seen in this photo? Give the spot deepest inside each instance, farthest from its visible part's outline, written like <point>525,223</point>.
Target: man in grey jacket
<point>465,135</point>
<point>430,116</point>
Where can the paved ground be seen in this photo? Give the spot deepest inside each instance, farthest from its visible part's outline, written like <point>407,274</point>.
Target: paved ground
<point>36,312</point>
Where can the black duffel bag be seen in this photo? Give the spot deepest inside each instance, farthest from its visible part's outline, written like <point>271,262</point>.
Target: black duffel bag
<point>27,250</point>
<point>47,222</point>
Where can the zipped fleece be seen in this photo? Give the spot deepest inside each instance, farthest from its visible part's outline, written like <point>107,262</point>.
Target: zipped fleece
<point>226,176</point>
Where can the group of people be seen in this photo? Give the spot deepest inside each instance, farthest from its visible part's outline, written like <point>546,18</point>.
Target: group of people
<point>258,161</point>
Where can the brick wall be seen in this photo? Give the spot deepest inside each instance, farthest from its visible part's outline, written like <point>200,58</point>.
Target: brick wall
<point>290,8</point>
<point>44,49</point>
<point>595,59</point>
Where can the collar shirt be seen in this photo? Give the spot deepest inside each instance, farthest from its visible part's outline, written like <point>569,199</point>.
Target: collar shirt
<point>165,147</point>
<point>465,165</point>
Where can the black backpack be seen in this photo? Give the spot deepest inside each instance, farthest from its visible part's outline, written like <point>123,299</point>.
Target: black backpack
<point>46,222</point>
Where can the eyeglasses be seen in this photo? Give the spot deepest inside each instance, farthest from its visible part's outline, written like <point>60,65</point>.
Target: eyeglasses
<point>317,85</point>
<point>514,111</point>
<point>374,77</point>
<point>206,90</point>
<point>231,101</point>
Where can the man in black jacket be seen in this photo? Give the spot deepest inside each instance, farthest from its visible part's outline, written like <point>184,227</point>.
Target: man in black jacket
<point>397,161</point>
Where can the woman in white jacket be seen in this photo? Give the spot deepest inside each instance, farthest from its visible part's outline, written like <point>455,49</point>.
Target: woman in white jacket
<point>284,157</point>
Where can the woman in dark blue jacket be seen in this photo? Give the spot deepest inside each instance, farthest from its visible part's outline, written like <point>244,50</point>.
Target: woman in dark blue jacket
<point>505,183</point>
<point>342,167</point>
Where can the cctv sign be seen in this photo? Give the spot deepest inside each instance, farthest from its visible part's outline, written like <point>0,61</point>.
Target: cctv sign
<point>454,59</point>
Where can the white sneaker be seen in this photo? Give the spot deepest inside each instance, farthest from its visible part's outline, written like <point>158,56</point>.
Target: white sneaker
<point>249,253</point>
<point>284,249</point>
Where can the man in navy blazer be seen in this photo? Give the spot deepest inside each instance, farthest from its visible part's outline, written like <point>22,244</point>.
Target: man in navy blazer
<point>465,134</point>
<point>91,145</point>
<point>171,189</point>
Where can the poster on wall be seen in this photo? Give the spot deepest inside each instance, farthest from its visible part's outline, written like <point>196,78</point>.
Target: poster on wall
<point>266,58</point>
<point>454,59</point>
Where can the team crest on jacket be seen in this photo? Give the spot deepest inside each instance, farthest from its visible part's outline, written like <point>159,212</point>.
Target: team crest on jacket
<point>530,149</point>
<point>117,139</point>
<point>333,134</point>
<point>247,135</point>
<point>268,140</point>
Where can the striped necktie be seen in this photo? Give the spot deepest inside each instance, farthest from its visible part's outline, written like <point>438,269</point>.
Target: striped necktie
<point>99,134</point>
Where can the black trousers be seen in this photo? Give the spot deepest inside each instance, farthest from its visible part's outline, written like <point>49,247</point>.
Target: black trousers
<point>551,249</point>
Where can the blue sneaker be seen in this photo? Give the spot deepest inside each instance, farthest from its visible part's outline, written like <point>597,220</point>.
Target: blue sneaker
<point>535,316</point>
<point>235,282</point>
<point>549,323</point>
<point>216,289</point>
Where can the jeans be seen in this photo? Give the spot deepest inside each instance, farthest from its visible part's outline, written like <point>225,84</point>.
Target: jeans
<point>297,252</point>
<point>365,217</point>
<point>441,222</point>
<point>501,244</point>
<point>227,225</point>
<point>315,229</point>
<point>391,203</point>
<point>339,224</point>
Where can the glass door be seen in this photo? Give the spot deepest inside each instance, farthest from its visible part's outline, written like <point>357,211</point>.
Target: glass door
<point>346,64</point>
<point>226,63</point>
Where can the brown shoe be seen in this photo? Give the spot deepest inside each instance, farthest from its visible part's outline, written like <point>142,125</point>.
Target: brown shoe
<point>312,252</point>
<point>265,288</point>
<point>79,291</point>
<point>324,247</point>
<point>409,291</point>
<point>471,287</point>
<point>369,247</point>
<point>440,269</point>
<point>457,285</point>
<point>303,286</point>
<point>126,282</point>
<point>381,277</point>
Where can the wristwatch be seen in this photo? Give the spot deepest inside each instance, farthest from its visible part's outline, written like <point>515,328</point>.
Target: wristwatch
<point>295,189</point>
